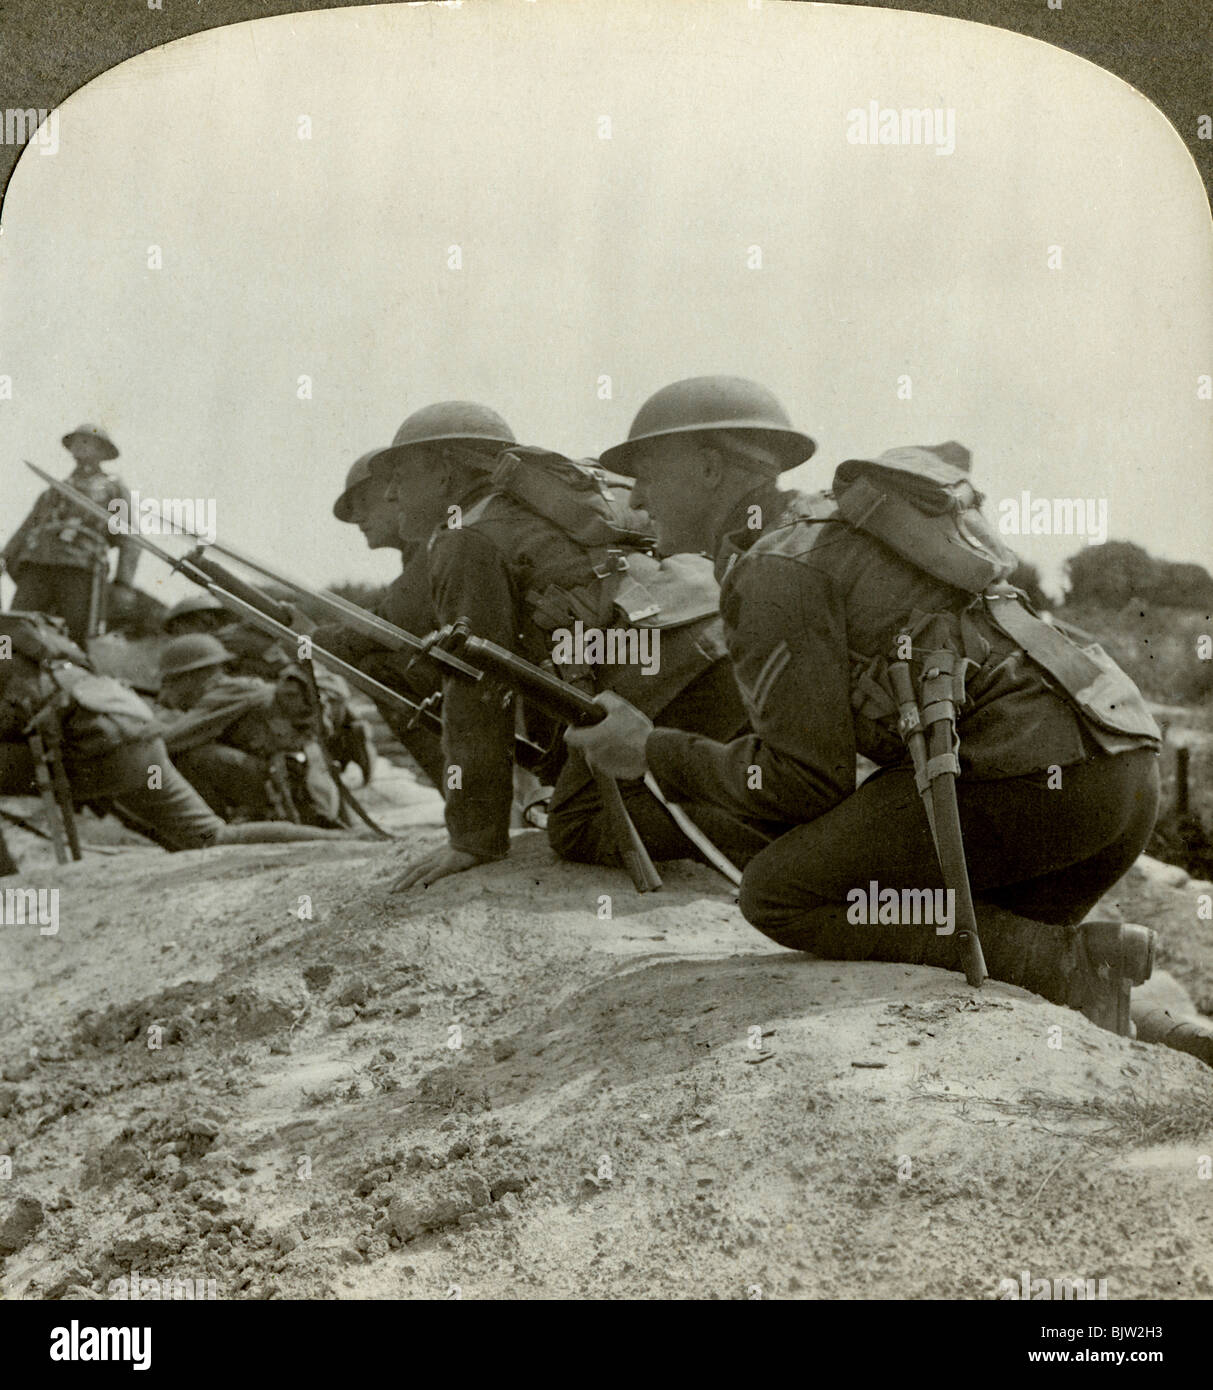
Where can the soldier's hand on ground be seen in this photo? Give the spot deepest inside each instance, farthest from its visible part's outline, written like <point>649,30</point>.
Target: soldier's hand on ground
<point>431,867</point>
<point>615,745</point>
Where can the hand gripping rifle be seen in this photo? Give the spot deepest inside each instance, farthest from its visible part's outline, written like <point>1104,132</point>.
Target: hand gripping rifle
<point>571,706</point>
<point>458,653</point>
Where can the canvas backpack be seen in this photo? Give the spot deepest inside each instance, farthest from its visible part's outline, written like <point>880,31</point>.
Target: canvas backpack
<point>614,581</point>
<point>920,503</point>
<point>926,509</point>
<point>98,713</point>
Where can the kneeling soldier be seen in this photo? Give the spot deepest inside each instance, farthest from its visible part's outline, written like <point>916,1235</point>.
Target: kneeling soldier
<point>822,598</point>
<point>113,753</point>
<point>250,747</point>
<point>530,547</point>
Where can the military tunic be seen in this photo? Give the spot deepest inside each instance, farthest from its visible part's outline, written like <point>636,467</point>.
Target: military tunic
<point>811,607</point>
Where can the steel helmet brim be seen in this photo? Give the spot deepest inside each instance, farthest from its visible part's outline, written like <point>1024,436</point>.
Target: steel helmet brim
<point>446,422</point>
<point>360,471</point>
<point>215,654</point>
<point>97,435</point>
<point>794,447</point>
<point>199,665</point>
<point>388,458</point>
<point>187,607</point>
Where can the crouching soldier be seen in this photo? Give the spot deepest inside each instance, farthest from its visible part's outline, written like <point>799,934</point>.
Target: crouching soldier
<point>112,751</point>
<point>405,602</point>
<point>823,598</point>
<point>535,552</point>
<point>250,747</point>
<point>346,737</point>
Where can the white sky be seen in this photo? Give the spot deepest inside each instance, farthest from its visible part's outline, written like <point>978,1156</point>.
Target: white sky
<point>626,257</point>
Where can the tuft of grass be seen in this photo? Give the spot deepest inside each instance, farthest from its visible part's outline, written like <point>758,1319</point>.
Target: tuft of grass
<point>1131,1119</point>
<point>1128,1119</point>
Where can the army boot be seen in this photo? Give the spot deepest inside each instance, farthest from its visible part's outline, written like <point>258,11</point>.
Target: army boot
<point>1091,967</point>
<point>1157,1025</point>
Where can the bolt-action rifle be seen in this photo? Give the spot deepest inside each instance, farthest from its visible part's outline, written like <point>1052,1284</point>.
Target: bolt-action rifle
<point>263,612</point>
<point>548,692</point>
<point>457,652</point>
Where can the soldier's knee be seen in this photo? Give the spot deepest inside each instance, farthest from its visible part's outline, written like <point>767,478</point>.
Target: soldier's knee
<point>572,837</point>
<point>784,908</point>
<point>765,905</point>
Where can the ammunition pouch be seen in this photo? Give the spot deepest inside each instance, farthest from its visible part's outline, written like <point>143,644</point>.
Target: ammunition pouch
<point>1110,704</point>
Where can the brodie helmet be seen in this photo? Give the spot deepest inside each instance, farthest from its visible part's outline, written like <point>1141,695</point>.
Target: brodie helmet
<point>359,473</point>
<point>193,603</point>
<point>713,403</point>
<point>96,433</point>
<point>453,421</point>
<point>193,652</point>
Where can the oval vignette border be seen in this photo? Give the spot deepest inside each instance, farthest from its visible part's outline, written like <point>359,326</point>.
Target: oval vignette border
<point>1162,47</point>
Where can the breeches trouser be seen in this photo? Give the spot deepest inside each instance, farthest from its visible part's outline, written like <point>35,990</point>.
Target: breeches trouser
<point>1047,853</point>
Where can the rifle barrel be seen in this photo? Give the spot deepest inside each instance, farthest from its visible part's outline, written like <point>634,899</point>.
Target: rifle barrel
<point>256,615</point>
<point>370,624</point>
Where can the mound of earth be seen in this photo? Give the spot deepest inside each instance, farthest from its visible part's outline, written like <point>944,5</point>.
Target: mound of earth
<point>256,1073</point>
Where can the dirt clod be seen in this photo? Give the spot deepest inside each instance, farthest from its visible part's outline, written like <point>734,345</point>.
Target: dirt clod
<point>318,977</point>
<point>437,1201</point>
<point>20,1218</point>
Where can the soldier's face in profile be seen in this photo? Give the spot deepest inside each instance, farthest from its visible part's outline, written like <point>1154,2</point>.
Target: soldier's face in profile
<point>374,516</point>
<point>416,495</point>
<point>671,487</point>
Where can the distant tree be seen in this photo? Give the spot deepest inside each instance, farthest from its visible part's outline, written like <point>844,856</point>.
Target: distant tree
<point>1109,575</point>
<point>1186,586</point>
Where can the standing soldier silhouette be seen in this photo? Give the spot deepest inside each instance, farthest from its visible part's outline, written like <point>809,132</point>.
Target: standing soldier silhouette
<point>58,555</point>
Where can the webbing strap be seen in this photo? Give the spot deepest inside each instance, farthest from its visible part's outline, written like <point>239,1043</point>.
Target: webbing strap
<point>634,599</point>
<point>938,712</point>
<point>1068,664</point>
<point>942,691</point>
<point>941,763</point>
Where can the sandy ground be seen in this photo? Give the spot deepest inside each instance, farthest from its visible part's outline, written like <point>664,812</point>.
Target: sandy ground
<point>496,1089</point>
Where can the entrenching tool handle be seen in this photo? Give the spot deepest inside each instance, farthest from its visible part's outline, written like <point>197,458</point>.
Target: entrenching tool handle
<point>628,844</point>
<point>715,857</point>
